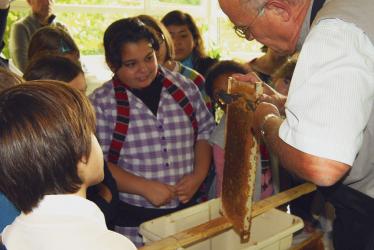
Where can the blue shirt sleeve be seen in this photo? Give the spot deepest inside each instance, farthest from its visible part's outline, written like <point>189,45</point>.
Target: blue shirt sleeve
<point>8,212</point>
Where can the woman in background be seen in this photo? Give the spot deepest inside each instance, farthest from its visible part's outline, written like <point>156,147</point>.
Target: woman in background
<point>188,43</point>
<point>166,56</point>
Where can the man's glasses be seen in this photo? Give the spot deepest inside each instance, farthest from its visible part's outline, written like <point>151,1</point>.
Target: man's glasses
<point>242,31</point>
<point>161,39</point>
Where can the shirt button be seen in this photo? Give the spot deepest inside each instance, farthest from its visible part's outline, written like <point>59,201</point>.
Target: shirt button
<point>165,150</point>
<point>163,138</point>
<point>167,164</point>
<point>160,127</point>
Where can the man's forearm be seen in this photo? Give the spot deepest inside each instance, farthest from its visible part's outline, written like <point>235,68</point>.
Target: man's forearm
<point>321,171</point>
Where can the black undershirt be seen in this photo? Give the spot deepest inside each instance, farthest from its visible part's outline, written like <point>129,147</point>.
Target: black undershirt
<point>150,95</point>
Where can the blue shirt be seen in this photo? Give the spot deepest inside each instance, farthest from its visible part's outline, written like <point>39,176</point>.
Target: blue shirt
<point>8,212</point>
<point>188,62</point>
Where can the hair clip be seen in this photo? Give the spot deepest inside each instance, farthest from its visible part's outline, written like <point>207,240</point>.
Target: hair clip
<point>64,47</point>
<point>139,22</point>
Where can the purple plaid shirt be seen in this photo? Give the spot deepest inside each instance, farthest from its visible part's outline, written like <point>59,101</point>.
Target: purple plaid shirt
<point>156,147</point>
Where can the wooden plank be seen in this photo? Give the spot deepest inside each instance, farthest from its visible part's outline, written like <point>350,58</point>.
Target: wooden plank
<point>282,198</point>
<point>211,228</point>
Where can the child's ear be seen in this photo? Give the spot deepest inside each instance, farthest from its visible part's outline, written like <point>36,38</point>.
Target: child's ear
<point>82,168</point>
<point>84,160</point>
<point>280,8</point>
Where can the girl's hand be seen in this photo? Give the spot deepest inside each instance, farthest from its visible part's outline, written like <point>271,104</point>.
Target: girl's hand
<point>187,187</point>
<point>159,193</point>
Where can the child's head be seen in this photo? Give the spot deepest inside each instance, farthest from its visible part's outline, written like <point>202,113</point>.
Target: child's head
<point>53,40</point>
<point>185,34</point>
<point>217,77</point>
<point>282,76</point>
<point>47,142</point>
<point>130,48</point>
<point>8,79</point>
<point>54,67</point>
<point>166,50</point>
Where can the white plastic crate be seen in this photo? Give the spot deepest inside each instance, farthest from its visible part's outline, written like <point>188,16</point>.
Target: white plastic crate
<point>270,231</point>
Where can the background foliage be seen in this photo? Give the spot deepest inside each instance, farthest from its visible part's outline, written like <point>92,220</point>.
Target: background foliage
<point>87,29</point>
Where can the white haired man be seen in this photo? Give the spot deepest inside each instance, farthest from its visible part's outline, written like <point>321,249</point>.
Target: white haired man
<point>327,135</point>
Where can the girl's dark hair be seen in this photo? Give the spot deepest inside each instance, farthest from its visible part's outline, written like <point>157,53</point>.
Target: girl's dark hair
<point>46,129</point>
<point>161,29</point>
<point>52,67</point>
<point>52,40</point>
<point>126,30</point>
<point>220,68</point>
<point>180,18</point>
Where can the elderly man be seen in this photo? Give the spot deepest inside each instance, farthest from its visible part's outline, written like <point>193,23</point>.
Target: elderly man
<point>22,31</point>
<point>328,134</point>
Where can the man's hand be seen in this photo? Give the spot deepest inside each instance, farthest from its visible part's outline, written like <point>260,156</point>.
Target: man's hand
<point>270,95</point>
<point>187,187</point>
<point>251,77</point>
<point>158,193</point>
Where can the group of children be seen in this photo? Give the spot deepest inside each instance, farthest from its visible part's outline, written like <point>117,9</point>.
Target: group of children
<point>154,124</point>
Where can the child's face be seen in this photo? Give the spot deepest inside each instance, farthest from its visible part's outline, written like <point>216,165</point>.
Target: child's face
<point>183,41</point>
<point>139,64</point>
<point>219,85</point>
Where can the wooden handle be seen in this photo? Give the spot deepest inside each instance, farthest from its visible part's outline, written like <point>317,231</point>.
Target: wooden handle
<point>213,227</point>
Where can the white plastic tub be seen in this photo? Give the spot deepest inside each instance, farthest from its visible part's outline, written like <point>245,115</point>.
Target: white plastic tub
<point>270,231</point>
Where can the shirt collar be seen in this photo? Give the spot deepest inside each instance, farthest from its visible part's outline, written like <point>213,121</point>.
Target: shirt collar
<point>305,28</point>
<point>188,61</point>
<point>67,204</point>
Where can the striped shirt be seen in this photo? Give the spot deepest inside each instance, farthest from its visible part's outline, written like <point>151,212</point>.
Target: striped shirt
<point>156,147</point>
<point>197,78</point>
